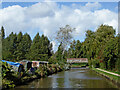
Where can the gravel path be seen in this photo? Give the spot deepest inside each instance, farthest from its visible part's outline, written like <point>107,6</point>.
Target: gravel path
<point>108,72</point>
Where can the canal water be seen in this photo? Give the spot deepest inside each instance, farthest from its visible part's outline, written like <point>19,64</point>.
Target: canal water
<point>74,78</point>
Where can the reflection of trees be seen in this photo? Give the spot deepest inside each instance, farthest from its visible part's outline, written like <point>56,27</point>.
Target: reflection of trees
<point>45,83</point>
<point>41,83</point>
<point>60,82</point>
<point>54,83</point>
<point>66,81</point>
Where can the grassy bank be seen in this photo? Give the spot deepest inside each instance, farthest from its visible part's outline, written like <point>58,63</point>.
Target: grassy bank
<point>14,80</point>
<point>115,79</point>
<point>114,72</point>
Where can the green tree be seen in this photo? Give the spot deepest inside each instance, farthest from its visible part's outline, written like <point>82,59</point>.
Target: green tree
<point>41,48</point>
<point>34,53</point>
<point>23,46</point>
<point>59,55</point>
<point>64,38</point>
<point>71,50</point>
<point>2,32</point>
<point>78,49</point>
<point>9,47</point>
<point>19,48</point>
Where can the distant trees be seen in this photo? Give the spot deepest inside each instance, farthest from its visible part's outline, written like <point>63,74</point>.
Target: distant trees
<point>22,46</point>
<point>9,46</point>
<point>41,48</point>
<point>100,47</point>
<point>17,47</point>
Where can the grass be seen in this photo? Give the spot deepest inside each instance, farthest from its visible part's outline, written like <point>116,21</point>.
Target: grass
<point>111,76</point>
<point>113,72</point>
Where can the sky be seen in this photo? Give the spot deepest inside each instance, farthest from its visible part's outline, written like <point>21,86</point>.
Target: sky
<point>47,17</point>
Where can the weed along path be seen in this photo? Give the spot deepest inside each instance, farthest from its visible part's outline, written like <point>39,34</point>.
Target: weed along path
<point>73,78</point>
<point>108,72</point>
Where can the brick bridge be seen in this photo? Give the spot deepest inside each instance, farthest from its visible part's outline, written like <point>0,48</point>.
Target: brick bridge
<point>77,60</point>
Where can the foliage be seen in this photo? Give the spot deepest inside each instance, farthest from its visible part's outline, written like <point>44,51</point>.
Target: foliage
<point>7,76</point>
<point>64,35</point>
<point>100,47</point>
<point>41,48</point>
<point>2,32</point>
<point>18,47</point>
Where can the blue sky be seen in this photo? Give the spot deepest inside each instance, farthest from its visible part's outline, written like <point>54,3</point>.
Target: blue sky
<point>47,18</point>
<point>105,5</point>
<point>23,4</point>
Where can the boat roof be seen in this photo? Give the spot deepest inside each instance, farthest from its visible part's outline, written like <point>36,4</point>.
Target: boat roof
<point>12,63</point>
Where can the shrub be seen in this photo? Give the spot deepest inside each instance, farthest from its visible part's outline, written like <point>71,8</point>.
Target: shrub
<point>7,76</point>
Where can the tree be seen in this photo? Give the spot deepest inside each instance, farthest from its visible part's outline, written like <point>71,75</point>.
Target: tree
<point>2,37</point>
<point>41,48</point>
<point>64,36</point>
<point>9,47</point>
<point>118,58</point>
<point>78,49</point>
<point>26,42</point>
<point>1,42</point>
<point>19,48</point>
<point>103,35</point>
<point>59,55</point>
<point>110,53</point>
<point>71,50</point>
<point>34,53</point>
<point>2,32</point>
<point>100,47</point>
<point>23,46</point>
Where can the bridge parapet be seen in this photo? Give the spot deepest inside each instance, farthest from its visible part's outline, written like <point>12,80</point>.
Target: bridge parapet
<point>77,60</point>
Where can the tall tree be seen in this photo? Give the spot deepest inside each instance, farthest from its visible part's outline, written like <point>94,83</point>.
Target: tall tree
<point>64,36</point>
<point>23,46</point>
<point>71,50</point>
<point>34,53</point>
<point>59,55</point>
<point>40,48</point>
<point>26,42</point>
<point>2,32</point>
<point>78,52</point>
<point>19,50</point>
<point>9,47</point>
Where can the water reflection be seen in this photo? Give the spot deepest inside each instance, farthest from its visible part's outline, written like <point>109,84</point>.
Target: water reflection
<point>74,78</point>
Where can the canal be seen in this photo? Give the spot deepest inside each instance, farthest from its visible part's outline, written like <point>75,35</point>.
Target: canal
<point>74,78</point>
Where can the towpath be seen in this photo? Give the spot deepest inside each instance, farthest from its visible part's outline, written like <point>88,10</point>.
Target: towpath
<point>108,72</point>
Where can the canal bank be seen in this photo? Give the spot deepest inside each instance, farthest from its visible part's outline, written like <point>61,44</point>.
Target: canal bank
<point>115,78</point>
<point>73,78</point>
<point>41,72</point>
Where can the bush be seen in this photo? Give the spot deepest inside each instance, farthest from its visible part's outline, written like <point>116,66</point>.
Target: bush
<point>7,76</point>
<point>117,65</point>
<point>102,66</point>
<point>95,63</point>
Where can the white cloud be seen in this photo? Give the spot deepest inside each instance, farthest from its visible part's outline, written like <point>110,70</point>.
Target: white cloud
<point>47,17</point>
<point>92,6</point>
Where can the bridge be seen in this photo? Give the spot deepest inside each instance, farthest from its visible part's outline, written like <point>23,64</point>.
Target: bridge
<point>77,60</point>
